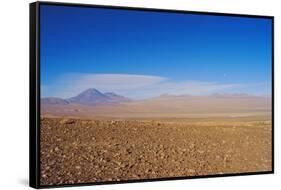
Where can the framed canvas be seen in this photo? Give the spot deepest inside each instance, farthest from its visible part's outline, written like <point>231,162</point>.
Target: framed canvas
<point>123,94</point>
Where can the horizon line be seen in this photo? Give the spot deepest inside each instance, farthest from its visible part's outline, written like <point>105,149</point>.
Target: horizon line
<point>170,94</point>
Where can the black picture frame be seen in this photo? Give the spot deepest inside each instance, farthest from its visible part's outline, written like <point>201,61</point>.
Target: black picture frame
<point>34,92</point>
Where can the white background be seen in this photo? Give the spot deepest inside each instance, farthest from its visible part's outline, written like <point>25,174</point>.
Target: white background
<point>14,77</point>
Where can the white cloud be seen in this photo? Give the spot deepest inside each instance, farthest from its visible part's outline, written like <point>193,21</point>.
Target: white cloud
<point>181,88</point>
<point>133,86</point>
<point>73,83</point>
<point>113,81</point>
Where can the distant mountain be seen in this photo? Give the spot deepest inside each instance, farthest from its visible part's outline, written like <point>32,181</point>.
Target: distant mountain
<point>231,95</point>
<point>54,101</point>
<point>88,97</point>
<point>215,95</point>
<point>171,96</point>
<point>230,105</point>
<point>116,98</point>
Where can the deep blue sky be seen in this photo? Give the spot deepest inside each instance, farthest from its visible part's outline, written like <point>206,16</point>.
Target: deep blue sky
<point>176,46</point>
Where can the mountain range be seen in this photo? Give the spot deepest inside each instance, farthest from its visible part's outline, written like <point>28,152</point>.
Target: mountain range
<point>91,103</point>
<point>88,97</point>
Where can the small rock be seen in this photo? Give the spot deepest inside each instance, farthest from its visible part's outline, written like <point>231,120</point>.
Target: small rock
<point>119,163</point>
<point>136,176</point>
<point>191,170</point>
<point>69,122</point>
<point>129,151</point>
<point>148,170</point>
<point>192,145</point>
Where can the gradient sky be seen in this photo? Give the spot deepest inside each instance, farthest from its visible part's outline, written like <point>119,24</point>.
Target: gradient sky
<point>144,54</point>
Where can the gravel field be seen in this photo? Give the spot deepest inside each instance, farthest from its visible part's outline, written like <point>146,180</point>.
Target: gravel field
<point>97,150</point>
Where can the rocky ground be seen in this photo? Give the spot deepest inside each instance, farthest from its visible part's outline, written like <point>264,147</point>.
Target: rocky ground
<point>84,151</point>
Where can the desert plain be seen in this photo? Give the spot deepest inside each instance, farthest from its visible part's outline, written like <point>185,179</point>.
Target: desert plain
<point>155,139</point>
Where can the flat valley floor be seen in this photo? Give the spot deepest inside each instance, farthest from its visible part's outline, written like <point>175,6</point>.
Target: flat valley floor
<point>107,149</point>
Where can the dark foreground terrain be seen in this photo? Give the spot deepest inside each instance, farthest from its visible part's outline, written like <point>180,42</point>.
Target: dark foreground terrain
<point>83,151</point>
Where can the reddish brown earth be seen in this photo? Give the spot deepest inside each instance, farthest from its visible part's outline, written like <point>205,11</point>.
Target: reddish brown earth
<point>96,150</point>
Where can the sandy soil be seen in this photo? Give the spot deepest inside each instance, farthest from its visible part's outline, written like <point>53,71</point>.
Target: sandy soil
<point>83,151</point>
<point>166,107</point>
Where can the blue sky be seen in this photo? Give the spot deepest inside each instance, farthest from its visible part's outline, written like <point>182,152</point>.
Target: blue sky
<point>144,54</point>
